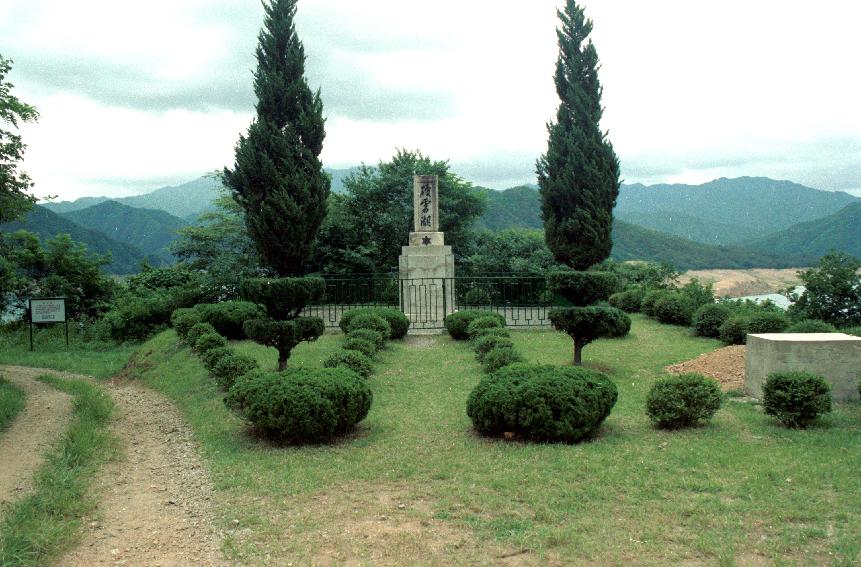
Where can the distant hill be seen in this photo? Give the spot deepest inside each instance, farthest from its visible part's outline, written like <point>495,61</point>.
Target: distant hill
<point>149,230</point>
<point>126,259</point>
<point>726,211</point>
<point>518,207</point>
<point>631,242</point>
<point>809,241</point>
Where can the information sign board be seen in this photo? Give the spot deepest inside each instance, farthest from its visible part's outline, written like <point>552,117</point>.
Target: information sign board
<point>48,310</point>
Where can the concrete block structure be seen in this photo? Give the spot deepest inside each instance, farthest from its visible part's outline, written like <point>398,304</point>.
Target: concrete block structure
<point>835,356</point>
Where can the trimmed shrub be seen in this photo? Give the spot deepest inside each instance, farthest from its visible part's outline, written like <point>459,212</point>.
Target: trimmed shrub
<point>487,322</point>
<point>586,324</point>
<point>196,331</point>
<point>811,326</point>
<point>284,335</point>
<point>283,298</point>
<point>650,299</point>
<point>796,399</point>
<point>209,341</point>
<point>183,319</point>
<point>372,322</point>
<point>361,345</point>
<point>682,401</point>
<point>767,323</point>
<point>228,317</point>
<point>399,322</point>
<point>211,357</point>
<point>583,288</point>
<point>374,337</point>
<point>486,343</point>
<point>630,301</point>
<point>499,357</point>
<point>352,359</point>
<point>734,330</point>
<point>301,405</point>
<point>708,319</point>
<point>457,323</point>
<point>230,368</point>
<point>674,309</point>
<point>542,403</point>
<point>491,332</point>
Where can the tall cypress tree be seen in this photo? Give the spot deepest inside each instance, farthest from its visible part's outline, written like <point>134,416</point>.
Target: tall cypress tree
<point>579,175</point>
<point>278,177</point>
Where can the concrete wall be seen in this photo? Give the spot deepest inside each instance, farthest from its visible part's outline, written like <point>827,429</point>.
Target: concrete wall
<point>835,356</point>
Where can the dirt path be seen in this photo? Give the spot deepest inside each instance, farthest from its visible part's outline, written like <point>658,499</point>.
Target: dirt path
<point>44,418</point>
<point>155,503</point>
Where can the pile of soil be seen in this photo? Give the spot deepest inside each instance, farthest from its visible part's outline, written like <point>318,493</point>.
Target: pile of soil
<point>726,365</point>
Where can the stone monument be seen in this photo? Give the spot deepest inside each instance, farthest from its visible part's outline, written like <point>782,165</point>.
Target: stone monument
<point>427,264</point>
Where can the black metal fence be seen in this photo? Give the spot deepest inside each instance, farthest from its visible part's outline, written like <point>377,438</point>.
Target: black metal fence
<point>523,300</point>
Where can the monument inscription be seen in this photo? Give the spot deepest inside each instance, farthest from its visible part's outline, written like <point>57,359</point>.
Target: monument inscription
<point>425,197</point>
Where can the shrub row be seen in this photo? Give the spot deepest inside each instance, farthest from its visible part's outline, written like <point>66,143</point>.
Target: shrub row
<point>457,324</point>
<point>227,317</point>
<point>367,329</point>
<point>224,364</point>
<point>398,322</point>
<point>490,339</point>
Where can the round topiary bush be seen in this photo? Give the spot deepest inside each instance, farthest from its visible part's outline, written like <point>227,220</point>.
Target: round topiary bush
<point>674,309</point>
<point>811,326</point>
<point>228,317</point>
<point>767,323</point>
<point>796,399</point>
<point>499,357</point>
<point>196,331</point>
<point>630,301</point>
<point>372,322</point>
<point>209,341</point>
<point>682,401</point>
<point>486,322</point>
<point>211,357</point>
<point>734,330</point>
<point>486,343</point>
<point>229,368</point>
<point>650,299</point>
<point>491,332</point>
<point>708,319</point>
<point>457,323</point>
<point>301,405</point>
<point>361,345</point>
<point>583,288</point>
<point>587,324</point>
<point>183,319</point>
<point>399,322</point>
<point>370,335</point>
<point>542,403</point>
<point>352,359</point>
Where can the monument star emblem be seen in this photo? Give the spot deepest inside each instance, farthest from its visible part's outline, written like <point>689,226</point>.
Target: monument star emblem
<point>426,241</point>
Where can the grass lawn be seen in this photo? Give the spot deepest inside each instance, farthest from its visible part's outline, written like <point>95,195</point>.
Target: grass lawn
<point>12,400</point>
<point>415,484</point>
<point>95,358</point>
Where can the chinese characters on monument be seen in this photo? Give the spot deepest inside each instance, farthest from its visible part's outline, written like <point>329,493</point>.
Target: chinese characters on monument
<point>426,214</point>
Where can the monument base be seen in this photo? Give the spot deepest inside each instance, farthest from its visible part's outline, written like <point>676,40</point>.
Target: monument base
<point>427,281</point>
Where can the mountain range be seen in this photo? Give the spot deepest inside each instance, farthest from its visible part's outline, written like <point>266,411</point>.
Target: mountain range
<point>727,223</point>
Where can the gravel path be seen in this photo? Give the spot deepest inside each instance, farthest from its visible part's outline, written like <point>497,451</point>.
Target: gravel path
<point>43,420</point>
<point>726,365</point>
<point>155,504</point>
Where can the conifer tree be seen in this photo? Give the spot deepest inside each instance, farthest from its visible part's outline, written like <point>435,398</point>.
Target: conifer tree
<point>278,177</point>
<point>579,175</point>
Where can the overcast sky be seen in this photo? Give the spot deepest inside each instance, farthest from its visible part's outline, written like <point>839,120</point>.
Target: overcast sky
<point>138,95</point>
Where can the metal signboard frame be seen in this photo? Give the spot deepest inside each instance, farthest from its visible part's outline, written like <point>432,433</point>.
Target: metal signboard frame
<point>30,310</point>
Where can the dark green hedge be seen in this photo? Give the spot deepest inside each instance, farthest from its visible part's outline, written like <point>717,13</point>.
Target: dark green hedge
<point>457,323</point>
<point>228,317</point>
<point>399,322</point>
<point>683,401</point>
<point>583,288</point>
<point>796,399</point>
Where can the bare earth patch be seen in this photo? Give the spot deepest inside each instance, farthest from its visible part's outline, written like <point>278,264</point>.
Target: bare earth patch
<point>726,365</point>
<point>738,283</point>
<point>154,504</point>
<point>43,420</point>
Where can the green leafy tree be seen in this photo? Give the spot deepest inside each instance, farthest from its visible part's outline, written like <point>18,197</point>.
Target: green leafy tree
<point>832,291</point>
<point>219,247</point>
<point>515,250</point>
<point>278,178</point>
<point>15,185</point>
<point>579,175</point>
<point>376,215</point>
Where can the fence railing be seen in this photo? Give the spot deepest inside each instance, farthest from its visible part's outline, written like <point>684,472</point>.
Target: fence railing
<point>524,301</point>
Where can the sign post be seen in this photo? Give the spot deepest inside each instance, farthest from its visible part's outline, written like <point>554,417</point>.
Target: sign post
<point>48,310</point>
